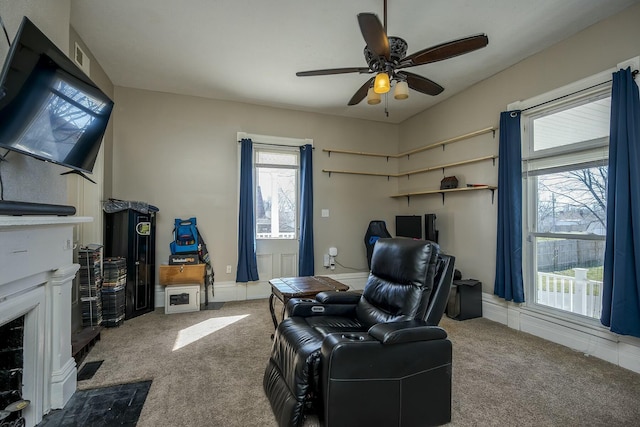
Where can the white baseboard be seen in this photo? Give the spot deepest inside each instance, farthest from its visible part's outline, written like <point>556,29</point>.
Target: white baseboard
<point>355,281</point>
<point>594,341</point>
<point>233,291</point>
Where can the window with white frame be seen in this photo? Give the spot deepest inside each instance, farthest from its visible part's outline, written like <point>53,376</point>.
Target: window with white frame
<point>276,192</point>
<point>565,167</point>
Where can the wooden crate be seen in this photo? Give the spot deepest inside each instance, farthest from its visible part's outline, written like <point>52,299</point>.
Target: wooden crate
<point>182,274</point>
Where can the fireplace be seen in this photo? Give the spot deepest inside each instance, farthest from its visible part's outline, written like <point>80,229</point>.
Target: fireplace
<point>36,271</point>
<point>11,368</point>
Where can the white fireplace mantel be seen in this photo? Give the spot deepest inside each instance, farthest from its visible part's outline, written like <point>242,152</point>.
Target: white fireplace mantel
<point>36,274</point>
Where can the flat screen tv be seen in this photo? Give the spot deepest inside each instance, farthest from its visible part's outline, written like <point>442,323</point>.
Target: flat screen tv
<point>409,226</point>
<point>50,109</point>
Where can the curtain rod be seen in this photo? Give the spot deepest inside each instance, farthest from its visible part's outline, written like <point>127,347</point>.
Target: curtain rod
<point>633,74</point>
<point>274,140</point>
<point>276,145</point>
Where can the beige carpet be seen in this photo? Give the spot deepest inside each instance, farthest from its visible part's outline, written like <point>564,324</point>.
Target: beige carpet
<point>501,377</point>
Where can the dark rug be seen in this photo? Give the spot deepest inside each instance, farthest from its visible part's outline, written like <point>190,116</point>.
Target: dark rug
<point>212,306</point>
<point>118,405</point>
<point>89,370</point>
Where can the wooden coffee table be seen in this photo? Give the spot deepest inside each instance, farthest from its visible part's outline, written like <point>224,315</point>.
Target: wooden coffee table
<point>285,288</point>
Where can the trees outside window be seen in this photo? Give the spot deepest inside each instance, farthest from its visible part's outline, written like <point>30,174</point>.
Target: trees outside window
<point>565,170</point>
<point>276,192</point>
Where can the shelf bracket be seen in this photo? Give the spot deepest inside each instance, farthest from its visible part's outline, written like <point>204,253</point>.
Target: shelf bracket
<point>408,200</point>
<point>493,191</point>
<point>494,133</point>
<point>329,174</point>
<point>494,161</point>
<point>329,153</point>
<point>442,194</point>
<point>387,159</point>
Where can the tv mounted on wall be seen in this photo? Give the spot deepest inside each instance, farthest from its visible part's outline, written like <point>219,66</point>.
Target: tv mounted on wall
<point>50,109</point>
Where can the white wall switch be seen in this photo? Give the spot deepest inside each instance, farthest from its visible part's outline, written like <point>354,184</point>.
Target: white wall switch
<point>325,213</point>
<point>228,269</point>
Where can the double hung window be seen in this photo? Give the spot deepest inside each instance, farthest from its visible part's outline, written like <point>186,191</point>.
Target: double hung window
<point>276,192</point>
<point>565,149</point>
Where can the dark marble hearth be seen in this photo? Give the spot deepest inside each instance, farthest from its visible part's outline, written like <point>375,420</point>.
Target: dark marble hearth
<point>101,407</point>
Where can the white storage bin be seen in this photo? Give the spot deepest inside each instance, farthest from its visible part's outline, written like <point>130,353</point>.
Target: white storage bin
<point>181,299</point>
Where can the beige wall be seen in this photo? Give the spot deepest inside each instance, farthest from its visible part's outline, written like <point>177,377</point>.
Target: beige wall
<point>468,224</point>
<point>180,154</point>
<point>103,81</point>
<point>24,178</point>
<point>143,162</point>
<point>86,196</point>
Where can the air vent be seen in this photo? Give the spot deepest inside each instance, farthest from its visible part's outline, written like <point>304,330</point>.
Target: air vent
<point>82,59</point>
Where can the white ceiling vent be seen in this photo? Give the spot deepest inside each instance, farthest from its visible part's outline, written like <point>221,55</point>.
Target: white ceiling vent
<point>82,59</point>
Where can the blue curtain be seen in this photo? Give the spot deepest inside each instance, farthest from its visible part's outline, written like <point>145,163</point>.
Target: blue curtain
<point>621,295</point>
<point>305,264</point>
<point>247,265</point>
<point>508,282</point>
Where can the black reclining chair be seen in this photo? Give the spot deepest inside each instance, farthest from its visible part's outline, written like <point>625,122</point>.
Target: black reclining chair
<point>375,358</point>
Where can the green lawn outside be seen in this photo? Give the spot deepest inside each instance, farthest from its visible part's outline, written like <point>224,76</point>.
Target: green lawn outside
<point>593,273</point>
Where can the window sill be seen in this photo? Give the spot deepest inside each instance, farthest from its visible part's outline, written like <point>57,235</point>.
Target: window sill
<point>576,322</point>
<point>589,338</point>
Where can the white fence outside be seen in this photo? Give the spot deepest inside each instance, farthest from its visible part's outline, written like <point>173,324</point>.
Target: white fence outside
<point>574,294</point>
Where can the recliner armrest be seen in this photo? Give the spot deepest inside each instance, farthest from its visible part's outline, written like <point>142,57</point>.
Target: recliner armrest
<point>335,297</point>
<point>304,307</point>
<point>408,331</point>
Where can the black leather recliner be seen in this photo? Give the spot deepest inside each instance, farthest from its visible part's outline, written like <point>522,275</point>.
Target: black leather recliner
<point>375,358</point>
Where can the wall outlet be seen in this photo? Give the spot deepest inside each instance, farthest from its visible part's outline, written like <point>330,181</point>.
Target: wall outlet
<point>326,260</point>
<point>228,269</point>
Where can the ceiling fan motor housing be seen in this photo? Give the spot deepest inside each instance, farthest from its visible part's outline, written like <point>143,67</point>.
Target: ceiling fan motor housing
<point>397,51</point>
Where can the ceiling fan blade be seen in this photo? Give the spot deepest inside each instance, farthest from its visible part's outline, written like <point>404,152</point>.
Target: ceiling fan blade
<point>421,84</point>
<point>374,34</point>
<point>361,93</point>
<point>361,70</point>
<point>445,51</point>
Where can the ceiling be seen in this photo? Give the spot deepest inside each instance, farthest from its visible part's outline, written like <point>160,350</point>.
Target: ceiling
<point>249,50</point>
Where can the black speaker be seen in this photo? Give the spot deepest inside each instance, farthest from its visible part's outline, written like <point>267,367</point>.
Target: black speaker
<point>465,300</point>
<point>430,232</point>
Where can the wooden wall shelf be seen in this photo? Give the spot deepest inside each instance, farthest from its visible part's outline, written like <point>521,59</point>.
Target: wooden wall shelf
<point>451,190</point>
<point>423,170</point>
<point>415,150</point>
<point>413,172</point>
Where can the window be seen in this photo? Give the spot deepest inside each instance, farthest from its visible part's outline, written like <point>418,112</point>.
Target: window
<point>565,149</point>
<point>276,192</point>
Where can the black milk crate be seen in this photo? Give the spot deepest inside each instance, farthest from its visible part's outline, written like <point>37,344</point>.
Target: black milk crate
<point>113,323</point>
<point>113,305</point>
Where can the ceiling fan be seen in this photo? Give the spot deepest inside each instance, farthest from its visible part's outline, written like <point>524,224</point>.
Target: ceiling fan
<point>386,57</point>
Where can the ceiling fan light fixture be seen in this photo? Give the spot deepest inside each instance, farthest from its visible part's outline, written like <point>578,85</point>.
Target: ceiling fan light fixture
<point>401,91</point>
<point>382,83</point>
<point>372,97</point>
